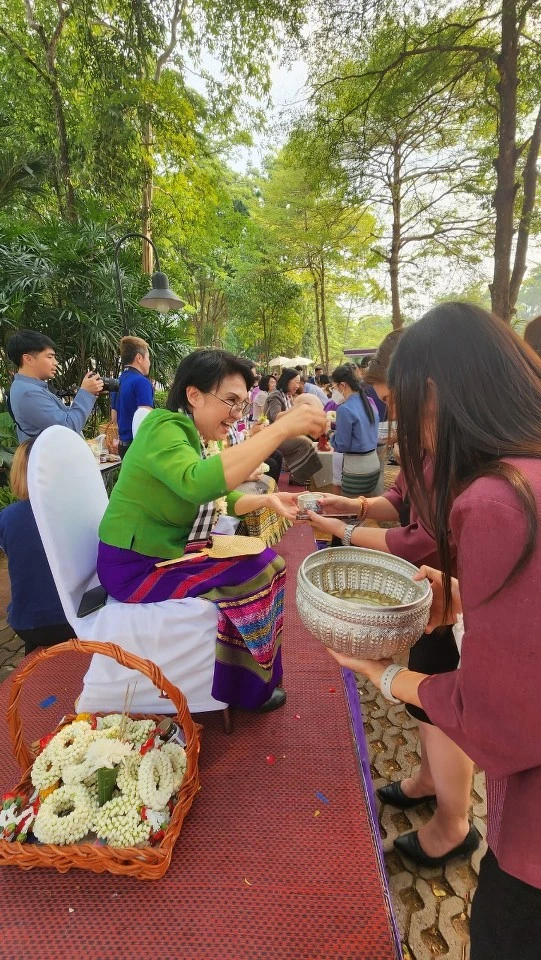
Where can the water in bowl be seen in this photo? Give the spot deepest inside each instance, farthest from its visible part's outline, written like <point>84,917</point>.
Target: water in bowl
<point>367,598</point>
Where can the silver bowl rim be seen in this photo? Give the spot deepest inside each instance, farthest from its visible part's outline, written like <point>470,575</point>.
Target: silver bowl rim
<point>424,585</point>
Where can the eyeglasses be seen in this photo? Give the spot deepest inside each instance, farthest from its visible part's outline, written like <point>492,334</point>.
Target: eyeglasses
<point>237,409</point>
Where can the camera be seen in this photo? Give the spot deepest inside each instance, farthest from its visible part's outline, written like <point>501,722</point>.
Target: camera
<point>110,384</point>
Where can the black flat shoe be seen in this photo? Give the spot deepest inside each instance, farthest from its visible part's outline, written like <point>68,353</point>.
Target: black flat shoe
<point>409,845</point>
<point>393,793</point>
<point>275,701</point>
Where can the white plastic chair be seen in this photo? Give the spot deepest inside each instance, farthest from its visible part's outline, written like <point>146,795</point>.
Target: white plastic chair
<point>68,500</point>
<point>138,418</point>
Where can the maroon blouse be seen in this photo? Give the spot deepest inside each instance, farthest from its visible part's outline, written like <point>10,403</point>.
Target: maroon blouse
<point>490,705</point>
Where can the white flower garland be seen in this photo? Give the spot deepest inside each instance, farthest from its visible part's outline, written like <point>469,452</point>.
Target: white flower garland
<point>128,776</point>
<point>155,779</point>
<point>65,816</point>
<point>67,747</point>
<point>135,731</point>
<point>120,824</point>
<point>146,781</point>
<point>177,757</point>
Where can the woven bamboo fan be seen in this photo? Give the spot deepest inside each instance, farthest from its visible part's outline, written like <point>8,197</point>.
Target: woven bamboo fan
<point>223,548</point>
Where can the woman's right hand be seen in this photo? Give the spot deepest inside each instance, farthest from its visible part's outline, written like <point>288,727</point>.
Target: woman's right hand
<point>304,419</point>
<point>332,504</point>
<point>436,610</point>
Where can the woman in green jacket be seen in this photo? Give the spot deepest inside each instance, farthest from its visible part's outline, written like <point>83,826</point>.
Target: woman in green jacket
<point>167,499</point>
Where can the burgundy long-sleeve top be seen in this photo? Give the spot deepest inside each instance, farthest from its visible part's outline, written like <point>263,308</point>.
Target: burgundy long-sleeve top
<point>415,542</point>
<point>490,705</point>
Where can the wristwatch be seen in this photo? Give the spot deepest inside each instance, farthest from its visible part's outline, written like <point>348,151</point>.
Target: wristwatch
<point>347,534</point>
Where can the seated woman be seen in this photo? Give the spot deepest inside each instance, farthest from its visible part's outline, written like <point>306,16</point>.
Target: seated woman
<point>165,498</point>
<point>356,435</point>
<point>266,385</point>
<point>35,611</point>
<point>298,452</point>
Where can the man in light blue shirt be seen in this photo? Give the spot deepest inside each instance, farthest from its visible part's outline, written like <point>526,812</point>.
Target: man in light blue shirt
<point>33,406</point>
<point>314,390</point>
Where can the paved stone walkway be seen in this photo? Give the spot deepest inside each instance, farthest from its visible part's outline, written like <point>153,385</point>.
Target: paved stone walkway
<point>432,905</point>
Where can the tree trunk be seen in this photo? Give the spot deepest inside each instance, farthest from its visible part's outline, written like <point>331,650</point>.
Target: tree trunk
<point>504,196</point>
<point>394,258</point>
<point>323,319</point>
<point>147,253</point>
<point>64,166</point>
<point>317,314</point>
<point>266,344</point>
<point>529,179</point>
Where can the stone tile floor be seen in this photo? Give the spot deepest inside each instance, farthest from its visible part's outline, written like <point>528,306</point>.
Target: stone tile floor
<point>431,905</point>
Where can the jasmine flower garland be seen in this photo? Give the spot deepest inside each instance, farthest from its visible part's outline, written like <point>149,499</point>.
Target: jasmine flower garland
<point>177,757</point>
<point>120,823</point>
<point>149,774</point>
<point>155,779</point>
<point>65,816</point>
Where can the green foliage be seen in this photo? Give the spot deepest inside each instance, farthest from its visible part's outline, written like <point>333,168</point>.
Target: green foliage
<point>6,497</point>
<point>60,279</point>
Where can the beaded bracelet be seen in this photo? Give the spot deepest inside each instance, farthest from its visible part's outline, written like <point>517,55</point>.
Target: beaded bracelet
<point>363,504</point>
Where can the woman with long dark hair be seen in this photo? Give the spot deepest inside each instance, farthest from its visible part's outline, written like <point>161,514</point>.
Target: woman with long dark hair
<point>168,496</point>
<point>445,772</point>
<point>468,390</point>
<point>299,454</point>
<point>356,434</point>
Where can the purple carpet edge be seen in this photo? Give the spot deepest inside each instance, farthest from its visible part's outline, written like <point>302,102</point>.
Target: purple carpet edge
<point>357,726</point>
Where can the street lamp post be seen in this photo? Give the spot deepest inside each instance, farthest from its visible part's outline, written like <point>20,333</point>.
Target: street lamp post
<point>160,297</point>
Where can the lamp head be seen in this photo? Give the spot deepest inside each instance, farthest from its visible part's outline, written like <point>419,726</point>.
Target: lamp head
<point>161,297</point>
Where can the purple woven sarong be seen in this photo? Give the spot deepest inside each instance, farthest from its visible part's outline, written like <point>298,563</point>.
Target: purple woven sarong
<point>249,595</point>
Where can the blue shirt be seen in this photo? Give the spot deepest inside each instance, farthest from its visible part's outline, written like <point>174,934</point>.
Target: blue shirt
<point>34,597</point>
<point>35,408</point>
<point>135,391</point>
<point>316,392</point>
<point>354,432</point>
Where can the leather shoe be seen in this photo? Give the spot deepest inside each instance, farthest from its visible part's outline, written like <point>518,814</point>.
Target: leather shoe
<point>393,793</point>
<point>409,845</point>
<point>275,701</point>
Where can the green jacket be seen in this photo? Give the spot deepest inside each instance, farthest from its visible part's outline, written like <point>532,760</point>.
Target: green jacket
<point>162,484</point>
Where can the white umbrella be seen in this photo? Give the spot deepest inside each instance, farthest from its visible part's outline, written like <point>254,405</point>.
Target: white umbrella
<point>301,362</point>
<point>280,362</point>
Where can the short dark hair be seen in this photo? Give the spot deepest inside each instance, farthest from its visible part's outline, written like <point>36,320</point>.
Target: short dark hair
<point>205,369</point>
<point>26,341</point>
<point>324,379</point>
<point>298,367</point>
<point>363,362</point>
<point>318,368</point>
<point>264,382</point>
<point>287,374</point>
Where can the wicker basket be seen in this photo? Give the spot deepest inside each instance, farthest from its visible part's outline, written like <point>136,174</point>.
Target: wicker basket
<point>145,863</point>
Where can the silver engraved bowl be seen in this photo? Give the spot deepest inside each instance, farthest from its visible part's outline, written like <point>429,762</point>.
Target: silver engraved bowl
<point>361,602</point>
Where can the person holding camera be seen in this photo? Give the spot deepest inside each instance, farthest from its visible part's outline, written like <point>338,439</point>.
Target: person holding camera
<point>32,405</point>
<point>134,390</point>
